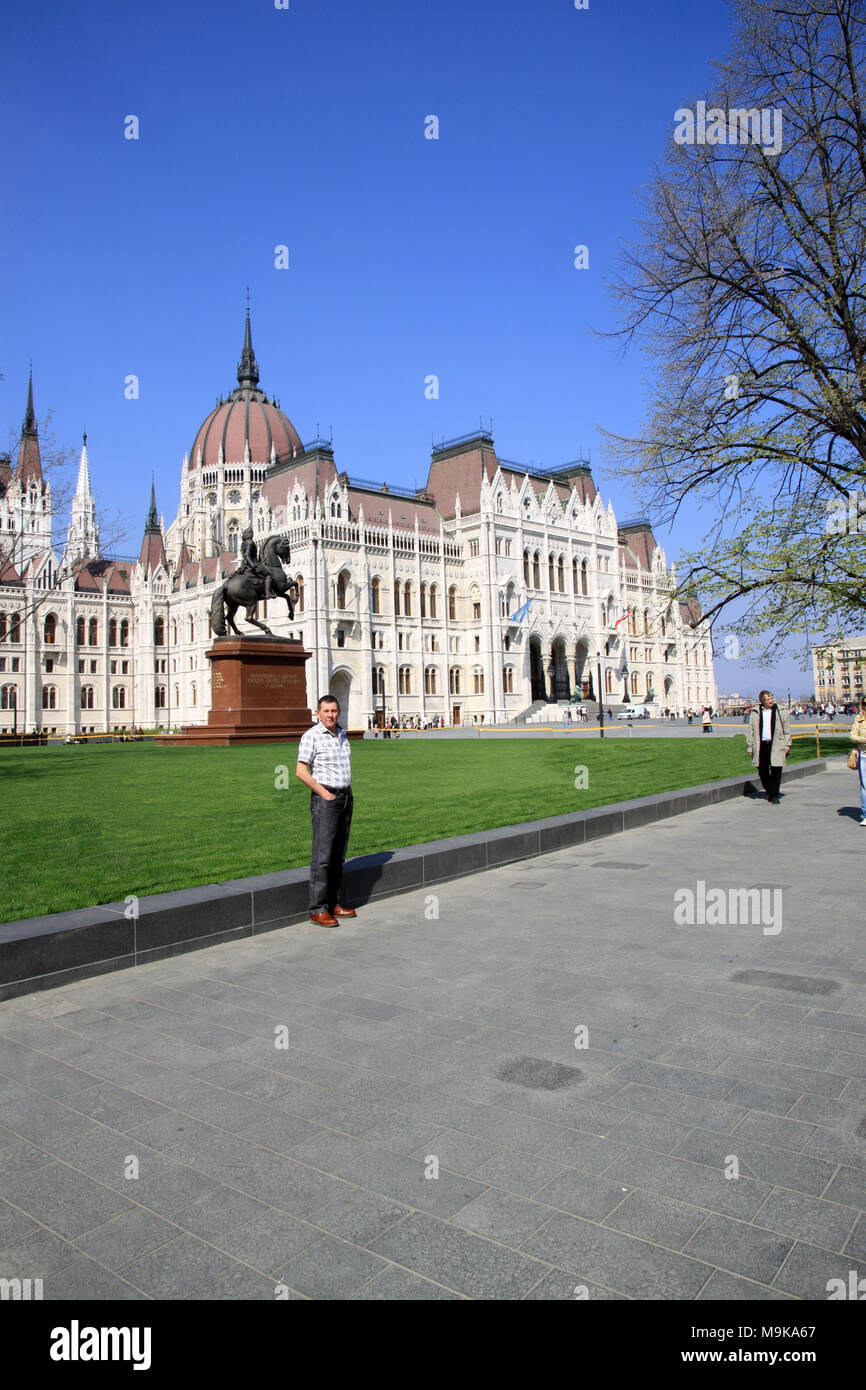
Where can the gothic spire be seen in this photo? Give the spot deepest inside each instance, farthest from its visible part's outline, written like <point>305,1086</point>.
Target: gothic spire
<point>152,524</point>
<point>248,369</point>
<point>29,462</point>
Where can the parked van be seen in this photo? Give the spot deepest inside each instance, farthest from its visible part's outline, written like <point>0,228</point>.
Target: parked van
<point>636,712</point>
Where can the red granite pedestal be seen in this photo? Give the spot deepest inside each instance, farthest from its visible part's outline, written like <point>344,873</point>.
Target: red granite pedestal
<point>258,693</point>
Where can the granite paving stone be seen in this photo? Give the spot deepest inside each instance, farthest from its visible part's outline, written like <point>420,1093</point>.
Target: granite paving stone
<point>462,1262</point>
<point>741,1249</point>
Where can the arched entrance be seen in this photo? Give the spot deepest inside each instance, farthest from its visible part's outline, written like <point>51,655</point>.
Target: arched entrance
<point>582,673</point>
<point>561,689</point>
<point>346,689</point>
<point>536,669</point>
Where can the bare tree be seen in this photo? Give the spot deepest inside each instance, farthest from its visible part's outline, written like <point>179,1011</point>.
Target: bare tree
<point>746,289</point>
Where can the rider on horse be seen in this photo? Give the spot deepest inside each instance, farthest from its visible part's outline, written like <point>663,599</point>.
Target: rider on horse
<point>251,564</point>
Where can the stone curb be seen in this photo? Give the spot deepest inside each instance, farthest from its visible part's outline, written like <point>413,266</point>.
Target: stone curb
<point>44,952</point>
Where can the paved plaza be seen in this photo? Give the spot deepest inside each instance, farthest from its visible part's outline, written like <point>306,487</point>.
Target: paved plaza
<point>552,1080</point>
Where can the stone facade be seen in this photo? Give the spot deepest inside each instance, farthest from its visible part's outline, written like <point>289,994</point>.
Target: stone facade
<point>493,587</point>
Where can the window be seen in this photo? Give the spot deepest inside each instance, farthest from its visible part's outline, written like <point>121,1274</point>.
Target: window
<point>112,632</point>
<point>508,679</point>
<point>454,680</point>
<point>473,548</point>
<point>476,605</point>
<point>232,537</point>
<point>560,575</point>
<point>396,598</point>
<point>124,632</point>
<point>49,665</point>
<point>173,632</point>
<point>92,633</point>
<point>112,668</point>
<point>49,697</point>
<point>407,599</point>
<point>378,680</point>
<point>193,694</point>
<point>341,585</point>
<point>159,632</point>
<point>87,697</point>
<point>118,697</point>
<point>405,678</point>
<point>191,628</point>
<point>526,568</point>
<point>551,584</point>
<point>15,628</point>
<point>422,601</point>
<point>9,697</point>
<point>536,571</point>
<point>608,682</point>
<point>507,642</point>
<point>3,627</point>
<point>374,597</point>
<point>477,641</point>
<point>50,629</point>
<point>299,606</point>
<point>478,681</point>
<point>430,681</point>
<point>341,637</point>
<point>159,697</point>
<point>584,578</point>
<point>452,603</point>
<point>634,682</point>
<point>603,616</point>
<point>93,666</point>
<point>433,597</point>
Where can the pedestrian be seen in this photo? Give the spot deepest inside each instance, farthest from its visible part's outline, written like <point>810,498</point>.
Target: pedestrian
<point>768,742</point>
<point>707,721</point>
<point>324,765</point>
<point>858,738</point>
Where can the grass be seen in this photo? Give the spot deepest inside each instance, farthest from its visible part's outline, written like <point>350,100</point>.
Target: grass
<point>89,825</point>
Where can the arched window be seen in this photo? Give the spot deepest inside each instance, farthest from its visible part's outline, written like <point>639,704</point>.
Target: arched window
<point>422,601</point>
<point>341,584</point>
<point>232,537</point>
<point>159,694</point>
<point>574,580</point>
<point>124,632</point>
<point>452,603</point>
<point>664,625</point>
<point>79,631</point>
<point>430,681</point>
<point>118,697</point>
<point>584,578</point>
<point>608,681</point>
<point>634,682</point>
<point>112,632</point>
<point>87,697</point>
<point>378,680</point>
<point>603,616</point>
<point>49,697</point>
<point>434,594</point>
<point>475,600</point>
<point>50,630</point>
<point>15,628</point>
<point>405,680</point>
<point>560,575</point>
<point>646,620</point>
<point>407,599</point>
<point>396,598</point>
<point>478,681</point>
<point>454,680</point>
<point>526,568</point>
<point>159,632</point>
<point>2,627</point>
<point>374,596</point>
<point>177,697</point>
<point>192,627</point>
<point>508,680</point>
<point>649,682</point>
<point>550,581</point>
<point>8,697</point>
<point>536,571</point>
<point>193,694</point>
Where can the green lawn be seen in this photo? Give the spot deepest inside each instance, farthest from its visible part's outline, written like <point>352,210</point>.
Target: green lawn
<point>88,825</point>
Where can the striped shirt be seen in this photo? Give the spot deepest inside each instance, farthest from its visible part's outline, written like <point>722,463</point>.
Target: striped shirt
<point>327,755</point>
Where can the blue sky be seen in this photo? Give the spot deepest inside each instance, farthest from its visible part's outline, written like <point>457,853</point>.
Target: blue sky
<point>408,257</point>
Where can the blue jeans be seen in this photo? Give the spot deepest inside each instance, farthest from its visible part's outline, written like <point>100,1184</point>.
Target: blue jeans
<point>331,823</point>
<point>861,772</point>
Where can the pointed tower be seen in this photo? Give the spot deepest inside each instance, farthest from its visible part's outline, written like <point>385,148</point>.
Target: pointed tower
<point>152,547</point>
<point>248,367</point>
<point>29,463</point>
<point>83,541</point>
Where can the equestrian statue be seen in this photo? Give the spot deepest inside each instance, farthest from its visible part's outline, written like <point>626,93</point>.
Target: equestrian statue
<point>254,579</point>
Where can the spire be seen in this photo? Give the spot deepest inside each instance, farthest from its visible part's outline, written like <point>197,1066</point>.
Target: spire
<point>29,461</point>
<point>248,370</point>
<point>152,547</point>
<point>83,540</point>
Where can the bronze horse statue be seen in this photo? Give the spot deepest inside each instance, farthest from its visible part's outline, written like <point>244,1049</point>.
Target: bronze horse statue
<point>245,588</point>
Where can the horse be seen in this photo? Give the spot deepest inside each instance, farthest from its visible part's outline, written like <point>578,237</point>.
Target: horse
<point>245,589</point>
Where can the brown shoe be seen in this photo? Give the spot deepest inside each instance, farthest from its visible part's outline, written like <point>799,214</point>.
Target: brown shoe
<point>344,911</point>
<point>323,919</point>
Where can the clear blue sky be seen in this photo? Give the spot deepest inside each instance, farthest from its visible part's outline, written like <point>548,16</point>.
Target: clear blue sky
<point>408,257</point>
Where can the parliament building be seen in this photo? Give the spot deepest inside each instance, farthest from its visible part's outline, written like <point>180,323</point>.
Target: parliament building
<point>492,589</point>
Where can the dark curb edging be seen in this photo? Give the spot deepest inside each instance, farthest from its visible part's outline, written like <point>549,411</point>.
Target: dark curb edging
<point>43,952</point>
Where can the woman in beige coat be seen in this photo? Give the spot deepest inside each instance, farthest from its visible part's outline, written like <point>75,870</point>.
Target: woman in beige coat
<point>858,738</point>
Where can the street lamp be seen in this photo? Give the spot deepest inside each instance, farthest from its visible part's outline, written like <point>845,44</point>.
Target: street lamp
<point>600,705</point>
<point>625,696</point>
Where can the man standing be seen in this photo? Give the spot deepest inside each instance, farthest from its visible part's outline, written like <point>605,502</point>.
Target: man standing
<point>324,766</point>
<point>768,742</point>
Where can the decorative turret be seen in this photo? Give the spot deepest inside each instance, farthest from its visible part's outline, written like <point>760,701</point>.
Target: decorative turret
<point>83,543</point>
<point>152,547</point>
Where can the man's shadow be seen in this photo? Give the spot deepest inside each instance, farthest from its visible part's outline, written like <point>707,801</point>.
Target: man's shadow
<point>852,812</point>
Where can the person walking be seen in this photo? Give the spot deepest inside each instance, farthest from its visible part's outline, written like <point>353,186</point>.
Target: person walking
<point>858,738</point>
<point>324,765</point>
<point>768,742</point>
